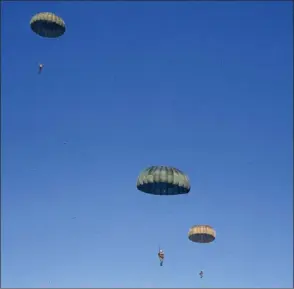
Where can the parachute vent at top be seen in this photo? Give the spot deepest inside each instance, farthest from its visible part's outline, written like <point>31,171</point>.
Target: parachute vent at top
<point>47,25</point>
<point>163,180</point>
<point>202,234</point>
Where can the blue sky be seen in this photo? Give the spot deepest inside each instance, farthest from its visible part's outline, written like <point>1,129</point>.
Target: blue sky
<point>204,87</point>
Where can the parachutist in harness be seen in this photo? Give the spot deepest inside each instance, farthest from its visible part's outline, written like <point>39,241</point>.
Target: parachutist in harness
<point>201,274</point>
<point>40,68</point>
<point>161,257</point>
<point>48,25</point>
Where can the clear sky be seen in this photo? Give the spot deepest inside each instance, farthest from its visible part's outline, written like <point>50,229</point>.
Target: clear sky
<point>204,87</point>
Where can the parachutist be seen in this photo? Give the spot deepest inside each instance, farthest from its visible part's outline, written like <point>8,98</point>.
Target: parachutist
<point>48,25</point>
<point>203,234</point>
<point>41,68</point>
<point>161,257</point>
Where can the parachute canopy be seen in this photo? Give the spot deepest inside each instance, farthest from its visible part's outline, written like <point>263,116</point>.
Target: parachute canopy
<point>202,234</point>
<point>163,180</point>
<point>48,25</point>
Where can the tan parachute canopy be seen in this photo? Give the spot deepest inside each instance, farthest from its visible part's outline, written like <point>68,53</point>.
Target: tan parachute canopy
<point>202,234</point>
<point>47,24</point>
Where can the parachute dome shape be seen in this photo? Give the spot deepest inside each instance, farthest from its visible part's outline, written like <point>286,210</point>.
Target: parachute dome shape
<point>47,25</point>
<point>163,180</point>
<point>202,234</point>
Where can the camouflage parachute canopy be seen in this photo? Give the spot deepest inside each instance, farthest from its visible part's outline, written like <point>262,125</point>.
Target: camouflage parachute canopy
<point>202,234</point>
<point>163,180</point>
<point>48,25</point>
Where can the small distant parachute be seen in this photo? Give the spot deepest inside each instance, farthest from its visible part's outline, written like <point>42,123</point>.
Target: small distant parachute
<point>47,25</point>
<point>202,234</point>
<point>163,180</point>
